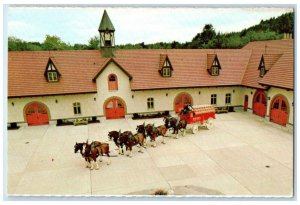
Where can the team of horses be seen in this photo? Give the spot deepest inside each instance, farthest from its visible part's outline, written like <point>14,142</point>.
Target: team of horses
<point>90,152</point>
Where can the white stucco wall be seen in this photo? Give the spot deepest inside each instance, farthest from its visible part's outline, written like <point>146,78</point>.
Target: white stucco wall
<point>60,110</point>
<point>164,99</point>
<point>123,92</point>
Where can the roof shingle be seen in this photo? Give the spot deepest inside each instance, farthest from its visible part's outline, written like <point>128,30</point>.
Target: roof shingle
<point>78,68</point>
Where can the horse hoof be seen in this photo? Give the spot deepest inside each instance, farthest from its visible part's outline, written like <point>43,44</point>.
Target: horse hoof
<point>164,142</point>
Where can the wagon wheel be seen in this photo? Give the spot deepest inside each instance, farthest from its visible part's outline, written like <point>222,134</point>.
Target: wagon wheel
<point>209,123</point>
<point>195,129</point>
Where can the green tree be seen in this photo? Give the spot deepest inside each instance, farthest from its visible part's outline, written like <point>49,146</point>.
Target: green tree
<point>94,43</point>
<point>207,34</point>
<point>16,44</point>
<point>54,43</point>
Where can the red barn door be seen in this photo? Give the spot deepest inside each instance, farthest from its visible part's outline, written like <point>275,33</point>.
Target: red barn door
<point>246,103</point>
<point>279,111</point>
<point>115,109</point>
<point>182,100</point>
<point>260,103</point>
<point>36,114</point>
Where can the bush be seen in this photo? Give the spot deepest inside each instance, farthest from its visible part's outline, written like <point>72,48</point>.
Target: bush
<point>160,192</point>
<point>59,122</point>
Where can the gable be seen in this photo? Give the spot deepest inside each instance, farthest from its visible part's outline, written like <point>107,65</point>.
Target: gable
<point>105,65</point>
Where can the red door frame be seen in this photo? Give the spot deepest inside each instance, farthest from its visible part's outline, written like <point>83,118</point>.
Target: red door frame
<point>246,102</point>
<point>36,113</point>
<point>260,103</point>
<point>279,110</point>
<point>179,101</point>
<point>116,109</point>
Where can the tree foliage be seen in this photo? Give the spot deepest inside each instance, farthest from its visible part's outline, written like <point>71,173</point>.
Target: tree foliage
<point>270,29</point>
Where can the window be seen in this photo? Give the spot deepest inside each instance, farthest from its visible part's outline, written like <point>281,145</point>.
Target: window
<point>41,110</point>
<point>150,103</point>
<point>283,106</point>
<point>52,77</point>
<point>31,110</point>
<point>107,38</point>
<point>262,67</point>
<point>112,82</point>
<point>276,104</point>
<point>214,70</point>
<point>166,72</point>
<point>76,107</point>
<point>257,99</point>
<point>262,71</point>
<point>213,99</point>
<point>228,98</point>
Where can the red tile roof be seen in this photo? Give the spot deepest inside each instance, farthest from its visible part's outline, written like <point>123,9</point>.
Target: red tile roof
<point>210,60</point>
<point>281,74</point>
<point>162,60</point>
<point>274,48</point>
<point>189,67</point>
<point>26,72</point>
<point>78,68</point>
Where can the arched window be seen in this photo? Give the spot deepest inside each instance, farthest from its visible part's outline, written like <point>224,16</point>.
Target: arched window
<point>112,82</point>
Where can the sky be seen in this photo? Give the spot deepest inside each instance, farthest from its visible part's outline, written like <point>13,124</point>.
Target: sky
<point>132,24</point>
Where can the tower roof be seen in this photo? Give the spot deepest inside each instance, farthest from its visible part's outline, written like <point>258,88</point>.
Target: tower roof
<point>106,23</point>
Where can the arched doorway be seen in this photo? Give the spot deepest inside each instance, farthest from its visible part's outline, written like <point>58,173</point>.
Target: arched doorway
<point>260,103</point>
<point>181,100</point>
<point>279,111</point>
<point>114,108</point>
<point>36,114</point>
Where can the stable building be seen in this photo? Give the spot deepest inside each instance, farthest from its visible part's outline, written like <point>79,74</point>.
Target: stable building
<point>110,83</point>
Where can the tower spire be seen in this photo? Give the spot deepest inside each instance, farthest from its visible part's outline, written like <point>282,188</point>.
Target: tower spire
<point>107,37</point>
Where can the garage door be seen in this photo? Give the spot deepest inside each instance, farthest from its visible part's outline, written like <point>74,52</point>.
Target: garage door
<point>182,100</point>
<point>260,103</point>
<point>36,114</point>
<point>114,109</point>
<point>279,111</point>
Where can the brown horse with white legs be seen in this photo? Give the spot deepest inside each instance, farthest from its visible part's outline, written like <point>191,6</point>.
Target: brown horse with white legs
<point>133,140</point>
<point>175,124</point>
<point>92,151</point>
<point>154,132</point>
<point>119,138</point>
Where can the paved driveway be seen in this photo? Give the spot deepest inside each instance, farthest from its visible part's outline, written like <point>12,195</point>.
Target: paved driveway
<point>241,156</point>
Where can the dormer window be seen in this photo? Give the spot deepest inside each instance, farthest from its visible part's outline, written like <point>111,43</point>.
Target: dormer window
<point>262,67</point>
<point>51,73</point>
<point>213,64</point>
<point>165,66</point>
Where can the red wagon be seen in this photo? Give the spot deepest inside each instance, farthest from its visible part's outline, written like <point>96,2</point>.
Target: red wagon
<point>198,115</point>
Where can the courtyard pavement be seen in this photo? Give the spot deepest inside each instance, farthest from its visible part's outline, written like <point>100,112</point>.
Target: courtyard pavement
<point>242,155</point>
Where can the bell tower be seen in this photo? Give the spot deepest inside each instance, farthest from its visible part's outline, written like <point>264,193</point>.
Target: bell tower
<point>107,36</point>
